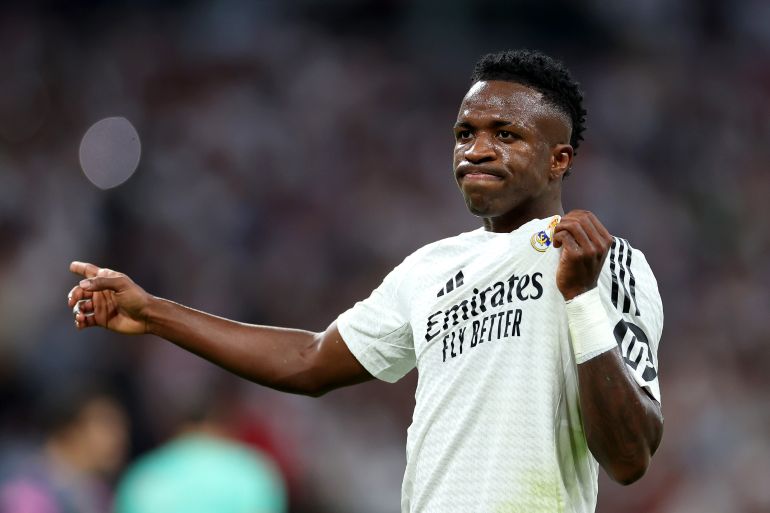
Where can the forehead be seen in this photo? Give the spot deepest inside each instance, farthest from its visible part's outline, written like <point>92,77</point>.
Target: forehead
<point>499,99</point>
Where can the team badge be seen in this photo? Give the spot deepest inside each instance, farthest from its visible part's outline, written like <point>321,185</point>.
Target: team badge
<point>542,240</point>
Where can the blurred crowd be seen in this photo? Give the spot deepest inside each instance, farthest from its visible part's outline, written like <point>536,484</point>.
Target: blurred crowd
<point>293,153</point>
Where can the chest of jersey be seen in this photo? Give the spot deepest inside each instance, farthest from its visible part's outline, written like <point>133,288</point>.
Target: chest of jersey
<point>496,291</point>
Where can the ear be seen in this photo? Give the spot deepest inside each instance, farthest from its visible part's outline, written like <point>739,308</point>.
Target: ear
<point>561,160</point>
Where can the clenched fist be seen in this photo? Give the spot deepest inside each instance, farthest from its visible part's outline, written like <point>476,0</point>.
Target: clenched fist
<point>585,243</point>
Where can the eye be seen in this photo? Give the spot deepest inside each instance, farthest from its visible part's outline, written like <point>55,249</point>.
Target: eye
<point>463,135</point>
<point>506,135</point>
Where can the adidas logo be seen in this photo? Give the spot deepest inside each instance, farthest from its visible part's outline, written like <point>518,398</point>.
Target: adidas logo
<point>452,284</point>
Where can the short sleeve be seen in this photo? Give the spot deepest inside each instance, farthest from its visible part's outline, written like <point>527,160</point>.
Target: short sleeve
<point>377,330</point>
<point>630,296</point>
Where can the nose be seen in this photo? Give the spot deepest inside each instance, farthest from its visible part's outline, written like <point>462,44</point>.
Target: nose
<point>482,150</point>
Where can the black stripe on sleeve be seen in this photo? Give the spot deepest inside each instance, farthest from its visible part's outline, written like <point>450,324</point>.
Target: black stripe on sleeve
<point>632,280</point>
<point>612,272</point>
<point>626,298</point>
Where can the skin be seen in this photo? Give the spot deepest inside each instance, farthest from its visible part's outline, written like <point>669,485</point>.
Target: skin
<point>511,153</point>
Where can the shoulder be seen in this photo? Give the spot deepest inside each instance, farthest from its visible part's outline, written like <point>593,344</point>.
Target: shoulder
<point>624,260</point>
<point>440,251</point>
<point>449,244</point>
<point>629,284</point>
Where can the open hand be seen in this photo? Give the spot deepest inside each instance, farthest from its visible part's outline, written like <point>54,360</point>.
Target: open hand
<point>108,299</point>
<point>585,243</point>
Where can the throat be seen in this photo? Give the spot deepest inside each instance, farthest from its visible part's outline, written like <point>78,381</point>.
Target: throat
<point>522,214</point>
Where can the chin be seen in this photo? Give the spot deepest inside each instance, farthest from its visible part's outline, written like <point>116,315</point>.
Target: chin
<point>481,207</point>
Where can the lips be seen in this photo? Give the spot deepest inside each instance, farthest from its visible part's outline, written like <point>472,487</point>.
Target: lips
<point>479,173</point>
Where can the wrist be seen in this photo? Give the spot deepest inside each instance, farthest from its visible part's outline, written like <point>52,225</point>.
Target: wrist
<point>572,293</point>
<point>152,314</point>
<point>589,326</point>
<point>569,295</point>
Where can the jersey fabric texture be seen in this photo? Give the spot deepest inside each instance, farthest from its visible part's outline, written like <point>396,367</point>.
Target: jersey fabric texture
<point>496,426</point>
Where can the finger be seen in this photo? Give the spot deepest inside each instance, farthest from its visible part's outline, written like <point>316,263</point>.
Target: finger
<point>84,306</point>
<point>589,220</point>
<point>565,240</point>
<point>82,324</point>
<point>601,230</point>
<point>587,224</point>
<point>575,229</point>
<point>90,320</point>
<point>84,321</point>
<point>76,294</point>
<point>116,283</point>
<point>84,269</point>
<point>81,320</point>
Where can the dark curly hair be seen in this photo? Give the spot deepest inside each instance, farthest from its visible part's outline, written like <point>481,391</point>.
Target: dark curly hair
<point>545,74</point>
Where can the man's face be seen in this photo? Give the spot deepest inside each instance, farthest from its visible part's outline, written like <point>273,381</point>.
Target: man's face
<point>511,148</point>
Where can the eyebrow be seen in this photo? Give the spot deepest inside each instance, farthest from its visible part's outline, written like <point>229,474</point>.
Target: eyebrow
<point>497,123</point>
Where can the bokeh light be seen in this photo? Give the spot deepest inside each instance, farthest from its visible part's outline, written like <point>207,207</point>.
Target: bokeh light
<point>110,152</point>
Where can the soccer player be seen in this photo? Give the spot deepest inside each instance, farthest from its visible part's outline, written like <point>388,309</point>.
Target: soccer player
<point>535,336</point>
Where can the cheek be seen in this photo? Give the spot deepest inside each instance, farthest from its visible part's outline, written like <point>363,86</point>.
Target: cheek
<point>457,159</point>
<point>518,160</point>
<point>458,155</point>
<point>528,163</point>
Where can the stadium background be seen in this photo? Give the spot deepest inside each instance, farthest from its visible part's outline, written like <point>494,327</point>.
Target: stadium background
<point>293,153</point>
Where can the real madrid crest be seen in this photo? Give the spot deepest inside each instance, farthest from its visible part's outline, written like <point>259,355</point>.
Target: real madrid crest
<point>542,240</point>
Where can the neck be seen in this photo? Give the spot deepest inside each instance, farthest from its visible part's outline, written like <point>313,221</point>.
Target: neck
<point>522,214</point>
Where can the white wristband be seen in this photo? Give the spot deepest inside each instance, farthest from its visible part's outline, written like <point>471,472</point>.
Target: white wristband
<point>589,326</point>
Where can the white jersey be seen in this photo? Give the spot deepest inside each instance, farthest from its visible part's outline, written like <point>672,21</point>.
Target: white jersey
<point>496,426</point>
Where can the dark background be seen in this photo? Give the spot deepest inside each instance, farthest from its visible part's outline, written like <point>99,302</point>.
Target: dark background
<point>293,153</point>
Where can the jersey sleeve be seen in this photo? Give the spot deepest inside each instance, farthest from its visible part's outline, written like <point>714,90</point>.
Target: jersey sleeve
<point>378,332</point>
<point>630,296</point>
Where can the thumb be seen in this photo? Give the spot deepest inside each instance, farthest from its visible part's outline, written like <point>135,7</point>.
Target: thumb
<point>557,240</point>
<point>115,283</point>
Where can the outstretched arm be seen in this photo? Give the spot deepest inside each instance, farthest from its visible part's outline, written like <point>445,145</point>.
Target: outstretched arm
<point>285,359</point>
<point>623,424</point>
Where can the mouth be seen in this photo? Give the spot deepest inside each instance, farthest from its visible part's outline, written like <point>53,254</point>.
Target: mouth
<point>479,174</point>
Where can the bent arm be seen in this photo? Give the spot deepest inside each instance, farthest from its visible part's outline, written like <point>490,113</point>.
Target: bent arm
<point>623,424</point>
<point>289,360</point>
